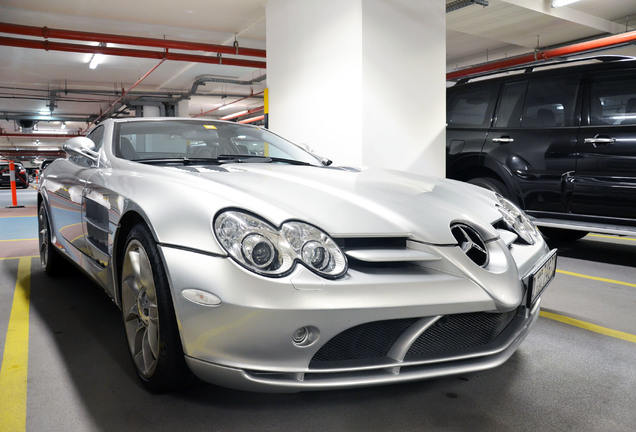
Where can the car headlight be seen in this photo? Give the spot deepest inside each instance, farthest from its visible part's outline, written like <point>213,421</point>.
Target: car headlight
<point>269,251</point>
<point>516,220</point>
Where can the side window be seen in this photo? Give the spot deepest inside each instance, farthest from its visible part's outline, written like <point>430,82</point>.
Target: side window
<point>613,98</point>
<point>97,136</point>
<point>511,105</point>
<point>551,102</point>
<point>470,107</point>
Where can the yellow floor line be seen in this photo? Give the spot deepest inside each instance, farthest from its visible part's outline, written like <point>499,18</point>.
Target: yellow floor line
<point>591,327</point>
<point>13,374</point>
<point>612,281</point>
<point>612,237</point>
<point>12,258</point>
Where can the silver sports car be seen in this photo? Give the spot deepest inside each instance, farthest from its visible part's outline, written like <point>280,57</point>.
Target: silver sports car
<point>243,260</point>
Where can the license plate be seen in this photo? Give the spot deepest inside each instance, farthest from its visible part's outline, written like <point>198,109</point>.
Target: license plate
<point>541,277</point>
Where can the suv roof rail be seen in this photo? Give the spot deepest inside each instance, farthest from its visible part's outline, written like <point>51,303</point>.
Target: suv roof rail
<point>530,67</point>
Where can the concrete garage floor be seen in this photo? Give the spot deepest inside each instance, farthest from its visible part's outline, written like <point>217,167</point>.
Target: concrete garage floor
<point>575,376</point>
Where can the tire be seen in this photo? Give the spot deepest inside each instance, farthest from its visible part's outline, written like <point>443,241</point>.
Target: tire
<point>148,315</point>
<point>50,259</point>
<point>490,184</point>
<point>564,235</point>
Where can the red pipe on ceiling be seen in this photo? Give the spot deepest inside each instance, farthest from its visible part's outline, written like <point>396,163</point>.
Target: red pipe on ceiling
<point>249,112</point>
<point>47,33</point>
<point>252,120</point>
<point>123,94</point>
<point>578,48</point>
<point>159,55</point>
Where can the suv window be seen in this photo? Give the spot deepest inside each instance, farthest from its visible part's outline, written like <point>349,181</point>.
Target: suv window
<point>613,98</point>
<point>471,107</point>
<point>511,105</point>
<point>550,102</point>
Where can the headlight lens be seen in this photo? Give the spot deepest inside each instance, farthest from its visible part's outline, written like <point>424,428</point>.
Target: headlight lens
<point>516,220</point>
<point>273,252</point>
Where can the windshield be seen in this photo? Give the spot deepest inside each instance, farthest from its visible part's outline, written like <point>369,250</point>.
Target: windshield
<point>196,139</point>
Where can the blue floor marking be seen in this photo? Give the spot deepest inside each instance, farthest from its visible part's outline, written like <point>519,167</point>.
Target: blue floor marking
<point>18,228</point>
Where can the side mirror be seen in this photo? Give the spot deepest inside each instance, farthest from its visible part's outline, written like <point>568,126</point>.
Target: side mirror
<point>81,146</point>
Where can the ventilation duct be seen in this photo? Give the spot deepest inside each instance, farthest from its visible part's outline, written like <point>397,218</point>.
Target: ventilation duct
<point>458,4</point>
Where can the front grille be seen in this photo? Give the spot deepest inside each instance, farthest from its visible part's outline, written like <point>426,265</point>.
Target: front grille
<point>457,332</point>
<point>366,341</point>
<point>450,334</point>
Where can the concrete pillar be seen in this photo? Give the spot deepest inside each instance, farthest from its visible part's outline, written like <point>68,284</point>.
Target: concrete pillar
<point>183,108</point>
<point>360,81</point>
<point>151,111</point>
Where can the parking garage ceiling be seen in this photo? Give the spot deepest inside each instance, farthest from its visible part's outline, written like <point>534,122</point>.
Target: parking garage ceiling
<point>48,91</point>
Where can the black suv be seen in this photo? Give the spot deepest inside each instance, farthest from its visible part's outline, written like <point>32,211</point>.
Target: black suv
<point>558,139</point>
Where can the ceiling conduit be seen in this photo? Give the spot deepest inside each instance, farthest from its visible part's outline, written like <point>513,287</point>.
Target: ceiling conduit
<point>548,54</point>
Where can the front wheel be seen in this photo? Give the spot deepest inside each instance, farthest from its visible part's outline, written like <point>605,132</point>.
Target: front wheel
<point>50,259</point>
<point>148,315</point>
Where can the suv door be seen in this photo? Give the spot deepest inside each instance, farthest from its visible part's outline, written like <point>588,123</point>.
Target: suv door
<point>469,113</point>
<point>533,140</point>
<point>605,181</point>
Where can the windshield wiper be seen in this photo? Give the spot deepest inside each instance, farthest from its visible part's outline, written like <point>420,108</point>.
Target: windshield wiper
<point>260,159</point>
<point>221,159</point>
<point>183,160</point>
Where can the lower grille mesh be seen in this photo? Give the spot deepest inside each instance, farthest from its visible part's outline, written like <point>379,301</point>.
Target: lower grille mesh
<point>461,331</point>
<point>366,341</point>
<point>450,333</point>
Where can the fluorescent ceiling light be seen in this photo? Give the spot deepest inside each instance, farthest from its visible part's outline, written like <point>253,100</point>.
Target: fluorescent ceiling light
<point>559,3</point>
<point>96,60</point>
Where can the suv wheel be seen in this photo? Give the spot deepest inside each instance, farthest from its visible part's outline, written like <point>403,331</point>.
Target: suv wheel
<point>490,184</point>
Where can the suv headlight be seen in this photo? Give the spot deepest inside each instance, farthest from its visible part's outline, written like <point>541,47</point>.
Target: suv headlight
<point>269,251</point>
<point>516,220</point>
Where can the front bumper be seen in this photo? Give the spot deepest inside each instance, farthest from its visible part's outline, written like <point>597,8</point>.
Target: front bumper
<point>391,373</point>
<point>246,341</point>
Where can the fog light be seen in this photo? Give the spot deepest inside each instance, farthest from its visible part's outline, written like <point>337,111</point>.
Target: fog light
<point>305,336</point>
<point>300,335</point>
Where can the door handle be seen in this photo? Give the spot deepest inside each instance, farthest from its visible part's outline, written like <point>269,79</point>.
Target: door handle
<point>503,140</point>
<point>604,140</point>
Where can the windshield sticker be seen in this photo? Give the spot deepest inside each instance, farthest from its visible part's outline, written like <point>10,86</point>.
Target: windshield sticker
<point>209,126</point>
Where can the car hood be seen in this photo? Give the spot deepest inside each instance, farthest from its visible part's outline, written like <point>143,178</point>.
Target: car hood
<point>349,202</point>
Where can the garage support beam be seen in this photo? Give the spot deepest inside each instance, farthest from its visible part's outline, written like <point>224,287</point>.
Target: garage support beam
<point>360,81</point>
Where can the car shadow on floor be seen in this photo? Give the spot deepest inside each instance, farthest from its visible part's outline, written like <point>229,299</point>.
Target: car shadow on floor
<point>596,249</point>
